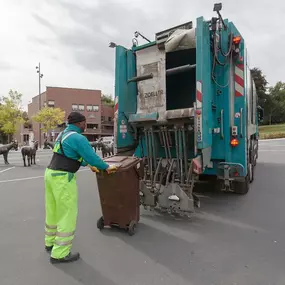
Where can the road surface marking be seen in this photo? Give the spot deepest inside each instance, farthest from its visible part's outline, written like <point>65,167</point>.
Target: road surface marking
<point>20,157</point>
<point>7,169</point>
<point>30,178</point>
<point>273,145</point>
<point>214,218</point>
<point>276,150</point>
<point>21,179</point>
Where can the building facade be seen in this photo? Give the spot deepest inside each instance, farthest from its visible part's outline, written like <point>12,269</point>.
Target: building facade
<point>107,120</point>
<point>87,102</point>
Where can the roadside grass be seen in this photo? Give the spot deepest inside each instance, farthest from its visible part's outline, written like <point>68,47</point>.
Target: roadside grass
<point>272,131</point>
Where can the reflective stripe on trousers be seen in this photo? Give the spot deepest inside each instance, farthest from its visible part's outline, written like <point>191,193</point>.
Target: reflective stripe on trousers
<point>58,234</point>
<point>61,210</point>
<point>50,231</point>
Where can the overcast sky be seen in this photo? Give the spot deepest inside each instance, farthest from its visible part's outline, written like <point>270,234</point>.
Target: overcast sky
<point>70,37</point>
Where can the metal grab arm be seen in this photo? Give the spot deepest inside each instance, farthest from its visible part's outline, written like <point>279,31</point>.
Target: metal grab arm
<point>180,69</point>
<point>141,78</point>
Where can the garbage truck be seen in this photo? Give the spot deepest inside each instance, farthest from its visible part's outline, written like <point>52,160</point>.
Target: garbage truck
<point>186,104</point>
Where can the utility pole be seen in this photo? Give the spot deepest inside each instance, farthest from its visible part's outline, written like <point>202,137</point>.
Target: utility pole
<point>38,68</point>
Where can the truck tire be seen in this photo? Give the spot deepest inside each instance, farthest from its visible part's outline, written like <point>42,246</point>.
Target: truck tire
<point>241,188</point>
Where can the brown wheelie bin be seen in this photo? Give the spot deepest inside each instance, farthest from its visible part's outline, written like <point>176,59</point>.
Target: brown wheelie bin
<point>119,194</point>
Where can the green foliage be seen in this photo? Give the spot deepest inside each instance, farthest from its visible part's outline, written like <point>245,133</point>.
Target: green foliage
<point>271,99</point>
<point>261,86</point>
<point>10,112</point>
<point>107,100</point>
<point>259,79</point>
<point>272,136</point>
<point>275,104</point>
<point>272,131</point>
<point>26,120</point>
<point>50,118</point>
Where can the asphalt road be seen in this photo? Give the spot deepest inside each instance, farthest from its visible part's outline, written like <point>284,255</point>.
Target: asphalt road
<point>232,240</point>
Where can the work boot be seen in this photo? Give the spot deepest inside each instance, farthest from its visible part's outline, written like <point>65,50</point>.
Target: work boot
<point>49,248</point>
<point>69,258</point>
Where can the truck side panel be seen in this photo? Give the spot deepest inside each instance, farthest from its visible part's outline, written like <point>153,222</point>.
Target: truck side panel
<point>204,86</point>
<point>239,153</point>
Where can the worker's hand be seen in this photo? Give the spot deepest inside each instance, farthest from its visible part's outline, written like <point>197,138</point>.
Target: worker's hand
<point>111,169</point>
<point>94,169</point>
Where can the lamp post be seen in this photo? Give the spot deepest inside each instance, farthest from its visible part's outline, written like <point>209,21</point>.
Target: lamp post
<point>38,68</point>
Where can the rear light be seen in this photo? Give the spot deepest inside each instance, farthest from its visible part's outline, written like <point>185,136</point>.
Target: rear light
<point>236,40</point>
<point>234,142</point>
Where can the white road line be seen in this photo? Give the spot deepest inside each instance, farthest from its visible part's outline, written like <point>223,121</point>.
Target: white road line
<point>30,178</point>
<point>7,169</point>
<point>272,150</point>
<point>20,157</point>
<point>21,179</point>
<point>272,145</point>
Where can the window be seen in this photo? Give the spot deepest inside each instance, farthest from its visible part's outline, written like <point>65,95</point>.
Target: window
<point>102,118</point>
<point>81,107</point>
<point>95,108</point>
<point>26,138</point>
<point>74,107</point>
<point>91,116</point>
<point>110,119</point>
<point>92,126</point>
<point>89,108</point>
<point>50,103</point>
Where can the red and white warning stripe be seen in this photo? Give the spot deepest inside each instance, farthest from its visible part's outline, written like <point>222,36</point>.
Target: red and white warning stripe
<point>199,94</point>
<point>116,105</point>
<point>239,80</point>
<point>198,115</point>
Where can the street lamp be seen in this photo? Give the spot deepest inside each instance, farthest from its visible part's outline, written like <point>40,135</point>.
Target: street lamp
<point>38,68</point>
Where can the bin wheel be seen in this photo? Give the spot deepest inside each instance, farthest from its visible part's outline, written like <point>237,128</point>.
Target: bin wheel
<point>132,228</point>
<point>100,224</point>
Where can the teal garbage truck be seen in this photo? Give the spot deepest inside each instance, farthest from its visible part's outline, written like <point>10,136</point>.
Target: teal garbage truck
<point>186,104</point>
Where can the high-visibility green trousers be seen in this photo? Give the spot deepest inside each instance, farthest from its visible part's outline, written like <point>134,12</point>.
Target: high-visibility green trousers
<point>61,211</point>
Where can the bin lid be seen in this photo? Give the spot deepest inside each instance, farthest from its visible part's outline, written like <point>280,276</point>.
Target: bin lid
<point>122,162</point>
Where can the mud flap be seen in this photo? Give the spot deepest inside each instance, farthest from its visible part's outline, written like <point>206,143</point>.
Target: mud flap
<point>229,172</point>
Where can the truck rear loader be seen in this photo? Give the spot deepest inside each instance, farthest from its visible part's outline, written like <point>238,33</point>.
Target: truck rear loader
<point>186,104</point>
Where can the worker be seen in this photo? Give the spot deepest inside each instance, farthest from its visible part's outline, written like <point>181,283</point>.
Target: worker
<point>71,151</point>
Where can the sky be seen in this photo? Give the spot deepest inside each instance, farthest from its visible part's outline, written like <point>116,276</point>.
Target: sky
<point>70,38</point>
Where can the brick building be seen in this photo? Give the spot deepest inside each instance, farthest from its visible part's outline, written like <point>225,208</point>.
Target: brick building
<point>88,102</point>
<point>107,120</point>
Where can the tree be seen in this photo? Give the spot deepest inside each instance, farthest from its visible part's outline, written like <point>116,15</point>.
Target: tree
<point>26,120</point>
<point>107,100</point>
<point>261,86</point>
<point>10,113</point>
<point>275,103</point>
<point>50,118</point>
<point>259,79</point>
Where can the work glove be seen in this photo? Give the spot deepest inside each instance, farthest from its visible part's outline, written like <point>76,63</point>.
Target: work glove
<point>111,169</point>
<point>94,169</point>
